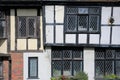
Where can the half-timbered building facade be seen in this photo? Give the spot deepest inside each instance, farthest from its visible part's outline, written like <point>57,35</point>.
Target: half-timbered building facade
<point>40,39</point>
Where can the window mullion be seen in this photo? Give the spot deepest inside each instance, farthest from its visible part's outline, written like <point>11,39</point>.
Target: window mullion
<point>34,26</point>
<point>115,61</point>
<point>77,24</point>
<point>88,27</point>
<point>27,27</point>
<point>72,64</point>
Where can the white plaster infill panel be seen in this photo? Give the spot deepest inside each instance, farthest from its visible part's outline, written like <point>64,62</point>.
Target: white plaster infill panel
<point>70,38</point>
<point>59,34</point>
<point>32,44</point>
<point>44,64</point>
<point>106,13</point>
<point>94,38</point>
<point>89,62</point>
<point>59,14</point>
<point>105,35</point>
<point>82,39</point>
<point>12,29</point>
<point>116,35</point>
<point>21,44</point>
<point>49,34</point>
<point>49,14</point>
<point>116,15</point>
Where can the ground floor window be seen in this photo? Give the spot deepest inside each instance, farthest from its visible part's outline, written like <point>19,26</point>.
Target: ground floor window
<point>66,61</point>
<point>107,61</point>
<point>33,67</point>
<point>1,69</point>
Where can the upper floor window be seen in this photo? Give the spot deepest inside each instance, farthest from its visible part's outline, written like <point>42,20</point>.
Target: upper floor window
<point>82,19</point>
<point>27,26</point>
<point>3,23</point>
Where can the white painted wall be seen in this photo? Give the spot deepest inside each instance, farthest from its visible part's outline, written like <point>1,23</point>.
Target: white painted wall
<point>89,62</point>
<point>44,64</point>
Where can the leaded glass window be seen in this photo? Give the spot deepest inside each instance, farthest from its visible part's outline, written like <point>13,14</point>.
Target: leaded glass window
<point>66,61</point>
<point>107,61</point>
<point>27,26</point>
<point>82,19</point>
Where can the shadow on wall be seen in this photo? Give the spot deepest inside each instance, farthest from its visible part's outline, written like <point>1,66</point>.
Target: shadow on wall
<point>1,42</point>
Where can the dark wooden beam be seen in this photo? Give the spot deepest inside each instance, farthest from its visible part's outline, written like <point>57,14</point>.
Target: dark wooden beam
<point>38,3</point>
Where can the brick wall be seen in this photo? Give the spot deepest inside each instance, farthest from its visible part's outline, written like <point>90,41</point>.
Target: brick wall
<point>17,66</point>
<point>6,69</point>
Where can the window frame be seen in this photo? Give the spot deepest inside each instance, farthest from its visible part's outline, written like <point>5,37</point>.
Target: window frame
<point>36,25</point>
<point>29,76</point>
<point>106,58</point>
<point>88,14</point>
<point>1,62</point>
<point>63,59</point>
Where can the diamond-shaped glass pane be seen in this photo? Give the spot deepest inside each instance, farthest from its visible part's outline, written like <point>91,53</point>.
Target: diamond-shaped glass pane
<point>67,67</point>
<point>71,23</point>
<point>99,68</point>
<point>77,54</point>
<point>57,68</point>
<point>99,54</point>
<point>117,54</point>
<point>72,10</point>
<point>31,23</point>
<point>109,67</point>
<point>22,26</point>
<point>110,54</point>
<point>77,66</point>
<point>82,23</point>
<point>67,54</point>
<point>56,54</point>
<point>94,23</point>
